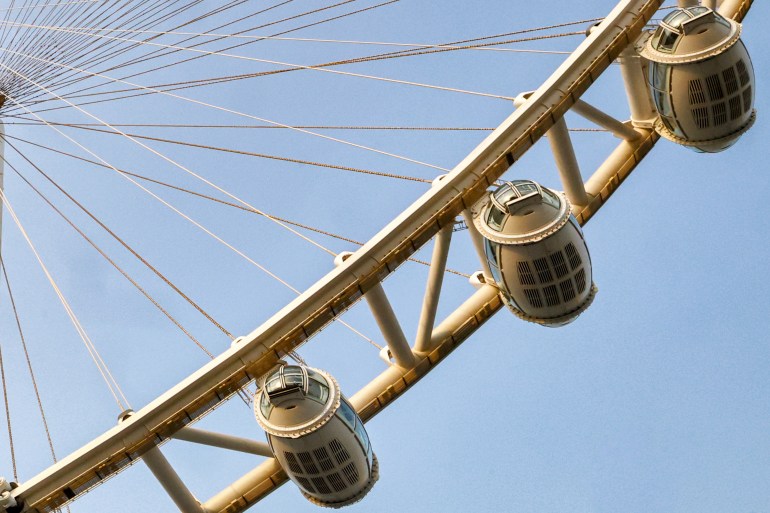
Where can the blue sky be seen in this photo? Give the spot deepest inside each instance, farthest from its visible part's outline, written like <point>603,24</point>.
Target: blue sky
<point>655,399</point>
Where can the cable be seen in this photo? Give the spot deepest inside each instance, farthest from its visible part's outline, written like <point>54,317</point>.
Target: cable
<point>8,413</point>
<point>109,380</point>
<point>29,364</point>
<point>200,226</point>
<point>222,202</point>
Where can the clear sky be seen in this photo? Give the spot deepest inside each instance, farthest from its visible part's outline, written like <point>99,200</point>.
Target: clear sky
<point>654,400</point>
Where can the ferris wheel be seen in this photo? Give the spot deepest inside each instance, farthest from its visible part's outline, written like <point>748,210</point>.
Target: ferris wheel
<point>73,68</point>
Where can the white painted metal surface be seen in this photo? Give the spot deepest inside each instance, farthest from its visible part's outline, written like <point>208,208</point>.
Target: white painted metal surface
<point>224,441</point>
<point>433,290</point>
<point>566,163</point>
<point>171,482</point>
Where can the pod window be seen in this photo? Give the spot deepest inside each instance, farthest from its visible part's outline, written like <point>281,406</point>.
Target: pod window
<point>668,40</point>
<point>347,414</point>
<point>363,438</point>
<point>551,199</point>
<point>493,259</point>
<point>265,406</point>
<point>495,218</point>
<point>317,391</point>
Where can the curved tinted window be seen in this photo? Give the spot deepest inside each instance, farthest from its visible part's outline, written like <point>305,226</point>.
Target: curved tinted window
<point>293,376</point>
<point>495,218</point>
<point>491,251</point>
<point>723,21</point>
<point>663,103</point>
<point>362,436</point>
<point>347,414</point>
<point>551,199</point>
<point>574,221</point>
<point>274,384</point>
<point>317,391</point>
<point>667,40</point>
<point>676,18</point>
<point>316,376</point>
<point>660,75</point>
<point>504,194</point>
<point>265,407</point>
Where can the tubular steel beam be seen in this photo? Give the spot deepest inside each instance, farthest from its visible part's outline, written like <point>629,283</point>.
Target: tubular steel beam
<point>613,171</point>
<point>433,290</point>
<point>735,9</point>
<point>233,443</point>
<point>604,120</point>
<point>478,244</point>
<point>389,326</point>
<point>372,399</point>
<point>633,71</point>
<point>171,482</point>
<point>566,163</point>
<point>333,294</point>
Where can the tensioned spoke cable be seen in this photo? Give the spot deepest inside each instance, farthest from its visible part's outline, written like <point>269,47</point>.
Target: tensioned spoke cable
<point>188,84</point>
<point>526,31</point>
<point>42,44</point>
<point>109,380</point>
<point>152,55</point>
<point>220,201</point>
<point>68,15</point>
<point>114,52</point>
<point>63,16</point>
<point>31,122</point>
<point>134,252</point>
<point>301,66</point>
<point>179,166</point>
<point>102,52</point>
<point>103,254</point>
<point>251,154</point>
<point>73,48</point>
<point>56,4</point>
<point>90,30</point>
<point>29,362</point>
<point>375,57</point>
<point>33,37</point>
<point>6,17</point>
<point>326,20</point>
<point>378,57</point>
<point>76,45</point>
<point>200,178</point>
<point>82,93</point>
<point>160,53</point>
<point>8,414</point>
<point>452,46</point>
<point>203,228</point>
<point>221,109</point>
<point>97,248</point>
